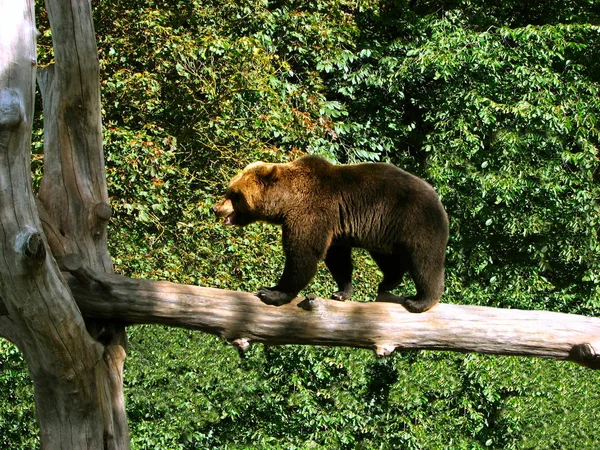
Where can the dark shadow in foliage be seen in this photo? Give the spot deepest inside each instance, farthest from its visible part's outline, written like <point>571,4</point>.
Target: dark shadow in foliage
<point>381,375</point>
<point>500,432</point>
<point>513,13</point>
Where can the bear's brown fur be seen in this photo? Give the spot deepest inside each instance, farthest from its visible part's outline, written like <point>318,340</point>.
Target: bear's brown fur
<point>327,209</point>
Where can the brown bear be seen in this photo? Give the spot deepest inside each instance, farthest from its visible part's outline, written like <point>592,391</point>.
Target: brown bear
<point>325,210</point>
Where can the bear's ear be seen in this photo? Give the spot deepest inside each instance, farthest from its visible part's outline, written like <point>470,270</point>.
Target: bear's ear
<point>266,173</point>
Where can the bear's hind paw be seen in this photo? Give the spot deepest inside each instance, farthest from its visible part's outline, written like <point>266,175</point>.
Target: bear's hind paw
<point>340,296</point>
<point>418,306</point>
<point>387,297</point>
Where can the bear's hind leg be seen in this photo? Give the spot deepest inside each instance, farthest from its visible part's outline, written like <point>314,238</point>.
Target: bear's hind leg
<point>339,263</point>
<point>428,274</point>
<point>393,267</point>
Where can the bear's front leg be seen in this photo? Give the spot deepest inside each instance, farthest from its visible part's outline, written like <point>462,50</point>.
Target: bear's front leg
<point>271,296</point>
<point>304,248</point>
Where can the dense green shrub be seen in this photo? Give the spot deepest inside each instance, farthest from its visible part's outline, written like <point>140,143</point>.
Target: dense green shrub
<point>495,103</point>
<point>17,414</point>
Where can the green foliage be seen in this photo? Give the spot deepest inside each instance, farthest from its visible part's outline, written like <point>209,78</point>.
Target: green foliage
<point>196,393</point>
<point>18,428</point>
<point>495,103</point>
<point>519,148</point>
<point>495,106</point>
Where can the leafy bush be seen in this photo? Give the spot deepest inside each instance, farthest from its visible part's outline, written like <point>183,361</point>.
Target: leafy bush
<point>18,428</point>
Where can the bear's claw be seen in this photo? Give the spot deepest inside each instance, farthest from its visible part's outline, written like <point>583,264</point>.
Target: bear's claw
<point>272,297</point>
<point>409,303</point>
<point>340,296</point>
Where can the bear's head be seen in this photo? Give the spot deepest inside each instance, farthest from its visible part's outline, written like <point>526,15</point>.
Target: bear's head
<point>254,194</point>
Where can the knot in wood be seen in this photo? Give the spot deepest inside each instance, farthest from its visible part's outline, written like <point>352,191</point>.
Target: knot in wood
<point>103,211</point>
<point>311,303</point>
<point>35,250</point>
<point>241,345</point>
<point>12,111</point>
<point>114,354</point>
<point>70,262</point>
<point>587,354</point>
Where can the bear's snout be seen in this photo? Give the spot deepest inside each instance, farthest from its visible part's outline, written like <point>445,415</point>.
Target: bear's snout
<point>225,209</point>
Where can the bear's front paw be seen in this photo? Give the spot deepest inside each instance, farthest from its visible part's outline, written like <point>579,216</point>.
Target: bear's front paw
<point>270,296</point>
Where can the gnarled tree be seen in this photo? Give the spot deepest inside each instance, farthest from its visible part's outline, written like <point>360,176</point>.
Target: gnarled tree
<point>65,309</point>
<point>76,369</point>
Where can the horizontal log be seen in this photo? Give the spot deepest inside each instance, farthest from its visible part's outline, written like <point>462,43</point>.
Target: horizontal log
<point>242,319</point>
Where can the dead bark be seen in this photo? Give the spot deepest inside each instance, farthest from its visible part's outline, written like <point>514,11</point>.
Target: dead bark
<point>43,319</point>
<point>242,319</point>
<point>73,198</point>
<point>77,379</point>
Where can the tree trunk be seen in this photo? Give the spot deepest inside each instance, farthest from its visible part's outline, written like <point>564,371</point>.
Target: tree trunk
<point>77,380</point>
<point>73,198</point>
<point>43,320</point>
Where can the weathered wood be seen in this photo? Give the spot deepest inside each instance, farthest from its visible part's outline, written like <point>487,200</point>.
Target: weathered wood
<point>73,198</point>
<point>43,319</point>
<point>73,202</point>
<point>242,319</point>
<point>78,381</point>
